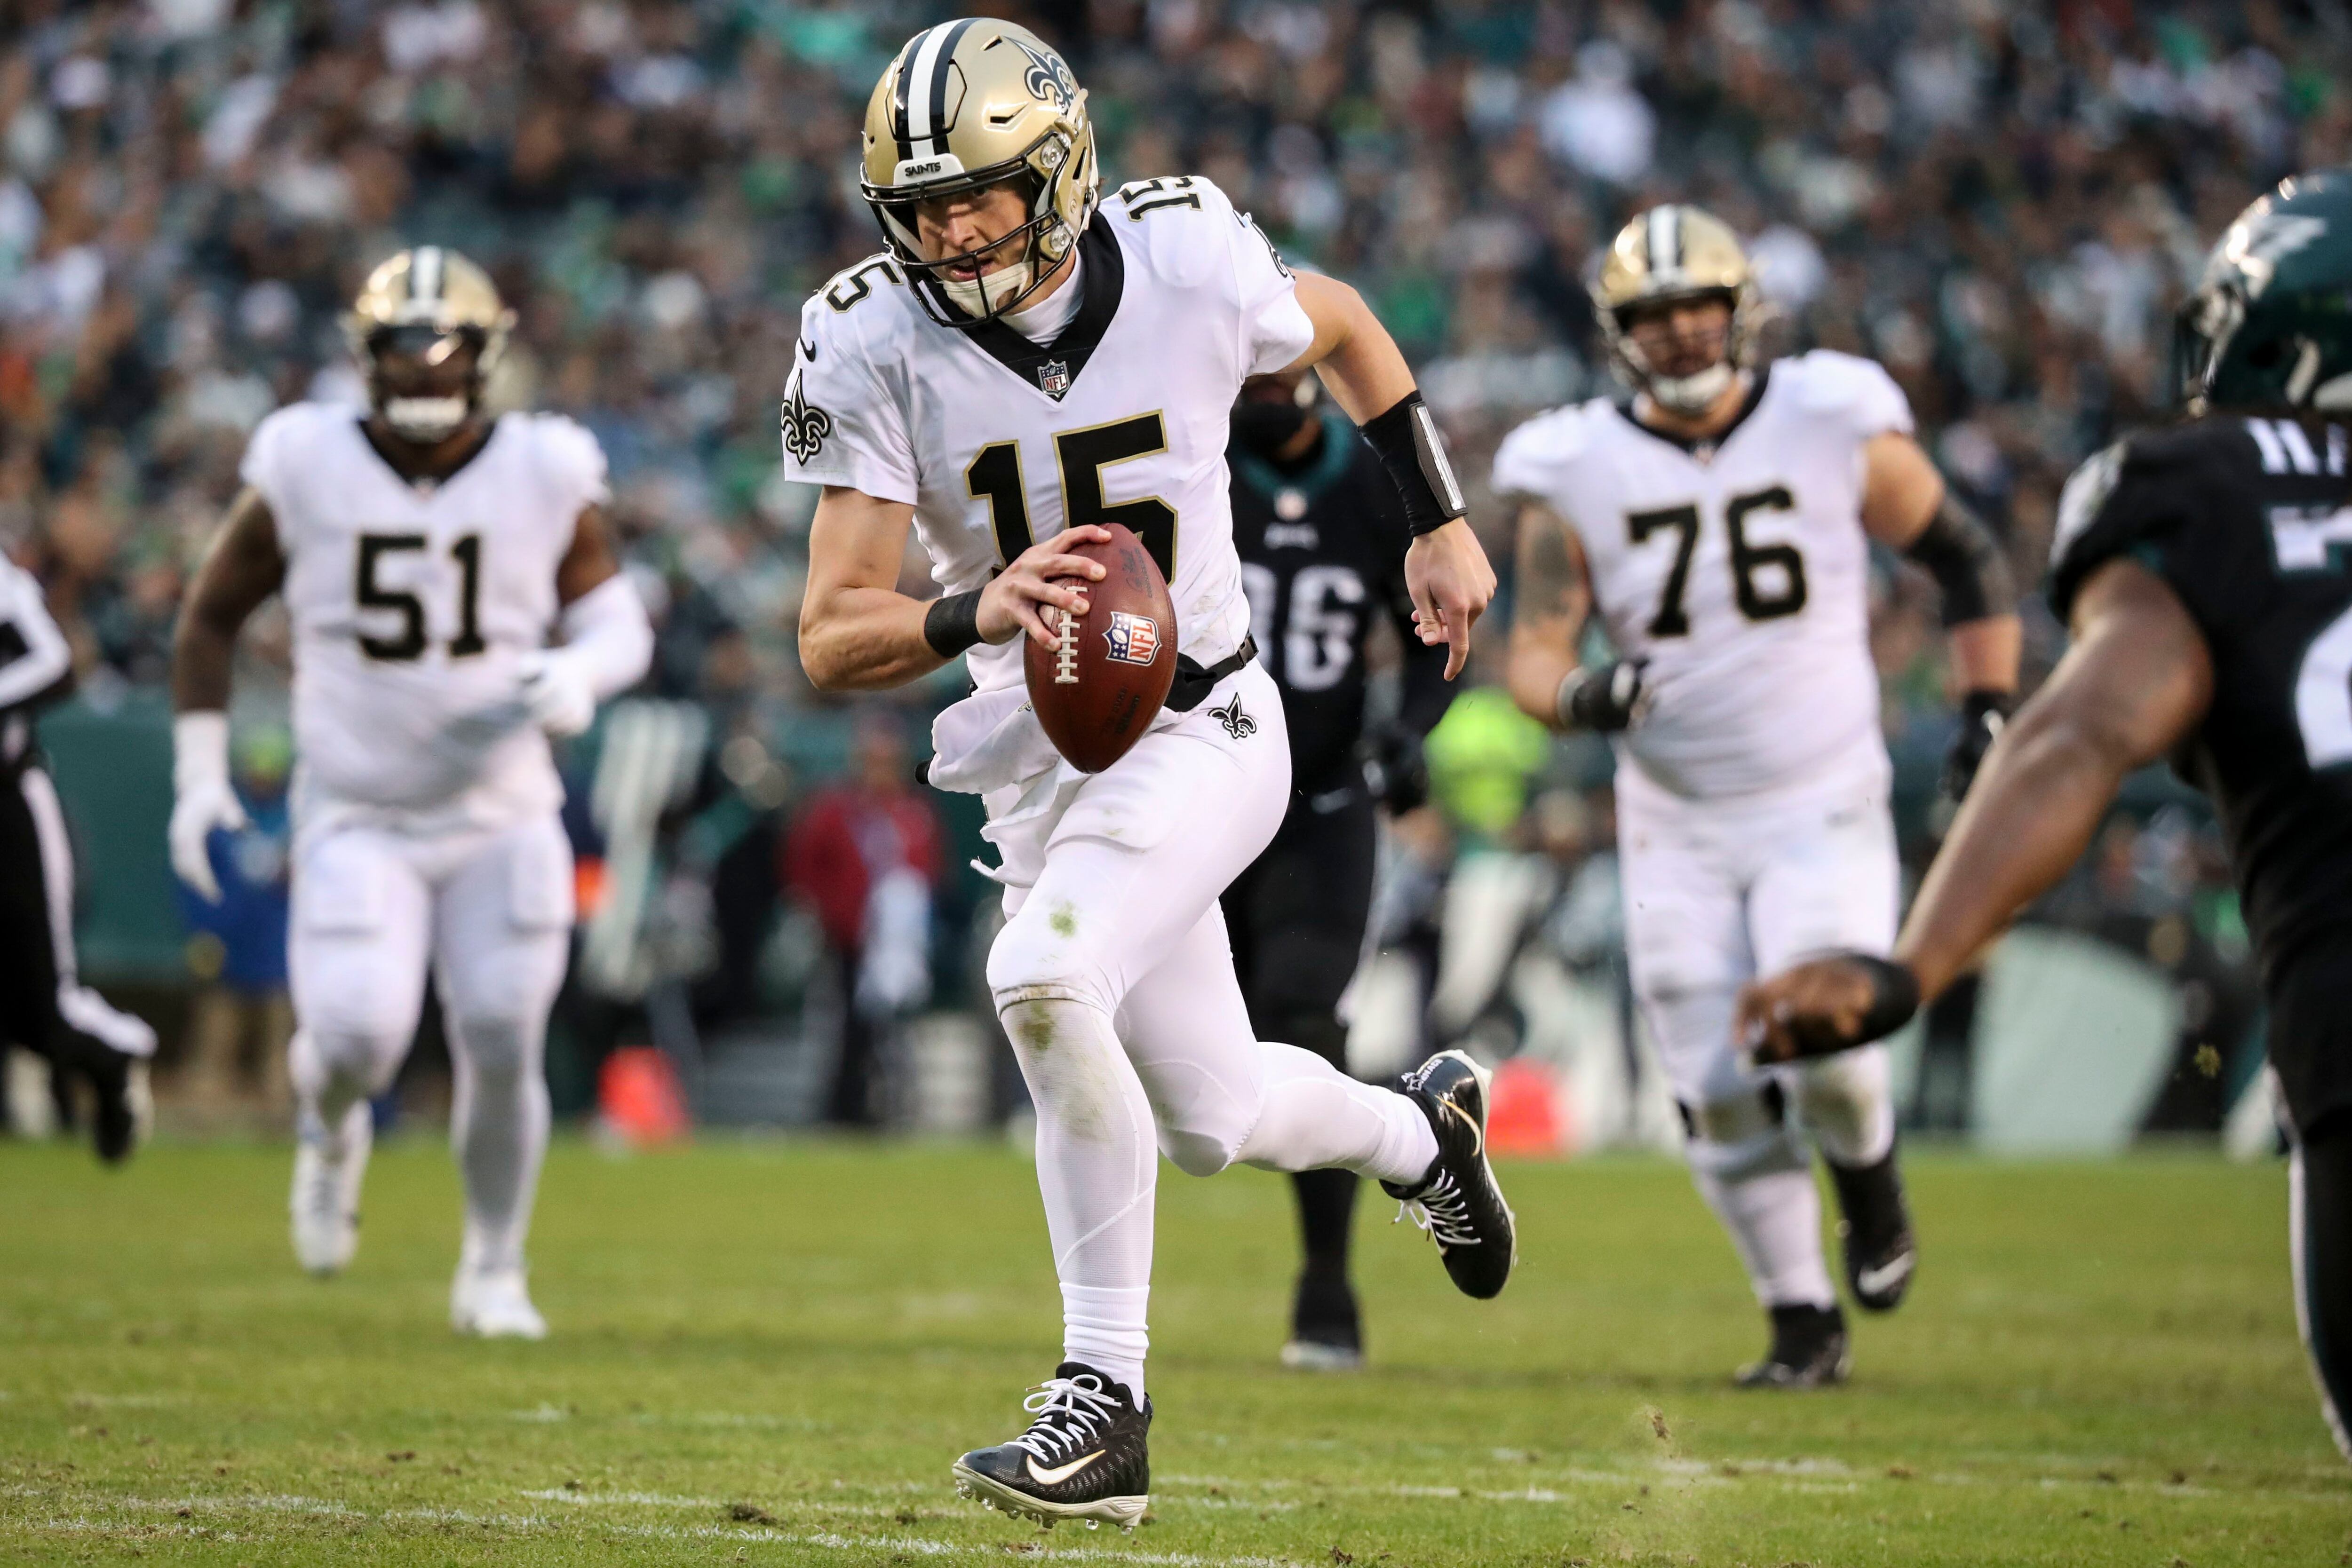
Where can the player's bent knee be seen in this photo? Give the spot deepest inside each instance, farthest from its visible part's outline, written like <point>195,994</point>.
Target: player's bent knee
<point>366,1058</point>
<point>498,1045</point>
<point>1036,958</point>
<point>1737,1136</point>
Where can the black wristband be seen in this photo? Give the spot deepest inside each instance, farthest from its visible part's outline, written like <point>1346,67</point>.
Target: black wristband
<point>1982,701</point>
<point>1894,996</point>
<point>952,624</point>
<point>1406,439</point>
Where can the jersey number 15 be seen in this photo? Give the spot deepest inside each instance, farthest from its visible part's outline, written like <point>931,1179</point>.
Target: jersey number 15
<point>995,476</point>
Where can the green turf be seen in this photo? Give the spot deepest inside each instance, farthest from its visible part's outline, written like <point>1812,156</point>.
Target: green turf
<point>770,1352</point>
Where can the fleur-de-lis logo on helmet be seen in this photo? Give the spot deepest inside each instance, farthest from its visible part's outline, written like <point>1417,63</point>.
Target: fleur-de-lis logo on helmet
<point>1049,79</point>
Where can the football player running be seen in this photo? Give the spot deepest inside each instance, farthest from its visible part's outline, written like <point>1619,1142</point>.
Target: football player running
<point>1721,524</point>
<point>425,551</point>
<point>1018,368</point>
<point>2203,570</point>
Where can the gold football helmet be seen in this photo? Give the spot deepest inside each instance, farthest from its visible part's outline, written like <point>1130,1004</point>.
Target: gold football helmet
<point>426,300</point>
<point>1669,253</point>
<point>967,104</point>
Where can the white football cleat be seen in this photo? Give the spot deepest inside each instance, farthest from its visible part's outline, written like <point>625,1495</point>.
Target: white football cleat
<point>326,1200</point>
<point>494,1304</point>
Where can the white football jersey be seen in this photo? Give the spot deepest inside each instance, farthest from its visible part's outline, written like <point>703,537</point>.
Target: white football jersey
<point>1740,570</point>
<point>413,606</point>
<point>999,442</point>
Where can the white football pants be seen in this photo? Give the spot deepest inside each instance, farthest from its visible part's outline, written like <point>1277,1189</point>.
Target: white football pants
<point>491,913</point>
<point>1718,893</point>
<point>1116,985</point>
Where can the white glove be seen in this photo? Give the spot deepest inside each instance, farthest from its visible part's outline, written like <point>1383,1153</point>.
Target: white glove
<point>558,693</point>
<point>202,798</point>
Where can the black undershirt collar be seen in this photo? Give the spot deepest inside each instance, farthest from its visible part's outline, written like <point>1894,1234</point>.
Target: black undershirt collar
<point>1704,447</point>
<point>1105,270</point>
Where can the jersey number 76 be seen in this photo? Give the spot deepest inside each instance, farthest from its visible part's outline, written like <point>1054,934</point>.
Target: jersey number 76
<point>995,476</point>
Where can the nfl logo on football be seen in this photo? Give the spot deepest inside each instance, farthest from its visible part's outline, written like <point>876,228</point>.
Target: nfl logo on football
<point>1054,376</point>
<point>1133,639</point>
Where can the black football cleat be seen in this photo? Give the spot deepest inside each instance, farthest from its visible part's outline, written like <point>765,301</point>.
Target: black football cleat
<point>1875,1233</point>
<point>1459,1202</point>
<point>1326,1333</point>
<point>115,1079</point>
<point>1084,1457</point>
<point>1809,1351</point>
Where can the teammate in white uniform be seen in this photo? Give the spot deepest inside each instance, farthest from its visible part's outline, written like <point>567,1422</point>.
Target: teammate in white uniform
<point>427,552</point>
<point>1721,525</point>
<point>1017,369</point>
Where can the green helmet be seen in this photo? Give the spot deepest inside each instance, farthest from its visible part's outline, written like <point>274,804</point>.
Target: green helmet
<point>2270,326</point>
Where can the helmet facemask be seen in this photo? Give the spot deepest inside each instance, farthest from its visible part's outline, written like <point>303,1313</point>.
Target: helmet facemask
<point>1691,394</point>
<point>425,418</point>
<point>1044,240</point>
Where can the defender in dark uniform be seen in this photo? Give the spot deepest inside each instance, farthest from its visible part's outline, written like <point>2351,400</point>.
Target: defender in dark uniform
<point>1322,539</point>
<point>2206,571</point>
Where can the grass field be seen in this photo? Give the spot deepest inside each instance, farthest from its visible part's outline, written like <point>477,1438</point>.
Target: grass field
<point>770,1352</point>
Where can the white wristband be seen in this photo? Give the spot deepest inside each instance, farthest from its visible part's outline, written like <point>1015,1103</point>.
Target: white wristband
<point>199,750</point>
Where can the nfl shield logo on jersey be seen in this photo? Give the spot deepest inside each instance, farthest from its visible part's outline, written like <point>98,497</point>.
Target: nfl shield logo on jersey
<point>1133,639</point>
<point>1054,377</point>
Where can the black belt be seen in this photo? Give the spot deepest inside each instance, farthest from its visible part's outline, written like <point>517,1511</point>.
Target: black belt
<point>1193,683</point>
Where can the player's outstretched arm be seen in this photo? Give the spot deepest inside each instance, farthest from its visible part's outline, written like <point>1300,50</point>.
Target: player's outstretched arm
<point>243,567</point>
<point>2135,685</point>
<point>1446,569</point>
<point>1906,505</point>
<point>859,633</point>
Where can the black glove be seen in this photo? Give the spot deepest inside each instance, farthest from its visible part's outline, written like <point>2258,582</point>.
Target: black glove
<point>1605,697</point>
<point>1982,715</point>
<point>1397,771</point>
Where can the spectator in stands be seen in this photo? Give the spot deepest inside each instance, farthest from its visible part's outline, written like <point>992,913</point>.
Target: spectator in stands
<point>865,854</point>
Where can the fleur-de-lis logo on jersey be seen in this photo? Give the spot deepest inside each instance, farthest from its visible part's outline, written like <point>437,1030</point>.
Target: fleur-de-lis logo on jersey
<point>1238,724</point>
<point>1048,79</point>
<point>805,425</point>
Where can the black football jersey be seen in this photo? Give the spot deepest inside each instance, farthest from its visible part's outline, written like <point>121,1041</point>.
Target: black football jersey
<point>1322,544</point>
<point>2250,522</point>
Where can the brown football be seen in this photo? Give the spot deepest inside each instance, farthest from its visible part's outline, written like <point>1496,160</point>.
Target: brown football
<point>1100,685</point>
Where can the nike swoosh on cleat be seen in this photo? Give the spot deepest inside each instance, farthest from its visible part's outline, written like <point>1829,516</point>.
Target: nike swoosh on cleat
<point>1875,1282</point>
<point>1057,1475</point>
<point>1468,1121</point>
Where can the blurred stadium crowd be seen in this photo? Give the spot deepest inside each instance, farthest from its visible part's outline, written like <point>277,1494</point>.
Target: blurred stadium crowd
<point>2001,201</point>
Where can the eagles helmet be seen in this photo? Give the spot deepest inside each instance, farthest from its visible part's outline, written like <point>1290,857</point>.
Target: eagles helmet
<point>1668,255</point>
<point>426,300</point>
<point>967,104</point>
<point>2270,327</point>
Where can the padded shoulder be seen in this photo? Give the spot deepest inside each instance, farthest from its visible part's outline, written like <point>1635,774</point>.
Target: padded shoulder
<point>1856,391</point>
<point>867,312</point>
<point>2143,496</point>
<point>1540,456</point>
<point>281,439</point>
<point>1182,225</point>
<point>569,455</point>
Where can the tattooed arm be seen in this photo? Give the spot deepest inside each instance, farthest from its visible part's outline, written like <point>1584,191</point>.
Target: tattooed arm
<point>1549,600</point>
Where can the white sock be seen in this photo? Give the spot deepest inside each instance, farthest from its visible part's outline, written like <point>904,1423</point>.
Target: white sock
<point>1105,1328</point>
<point>1775,1220</point>
<point>1847,1103</point>
<point>1098,1166</point>
<point>1316,1118</point>
<point>498,1125</point>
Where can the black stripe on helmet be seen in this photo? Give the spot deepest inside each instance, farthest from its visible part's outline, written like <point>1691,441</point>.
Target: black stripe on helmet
<point>898,130</point>
<point>939,83</point>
